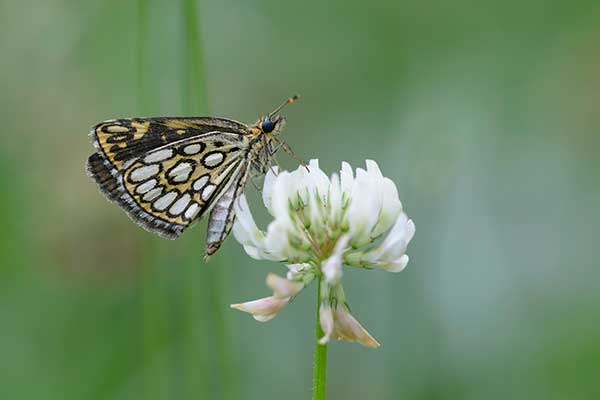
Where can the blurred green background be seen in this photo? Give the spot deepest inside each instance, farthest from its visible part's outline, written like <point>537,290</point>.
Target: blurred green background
<point>485,114</point>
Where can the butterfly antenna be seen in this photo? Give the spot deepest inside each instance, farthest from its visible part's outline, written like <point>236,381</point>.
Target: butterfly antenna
<point>285,103</point>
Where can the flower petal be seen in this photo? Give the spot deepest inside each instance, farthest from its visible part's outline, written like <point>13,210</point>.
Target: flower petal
<point>280,194</point>
<point>365,207</point>
<point>303,273</point>
<point>390,208</point>
<point>244,229</point>
<point>349,329</point>
<point>332,266</point>
<point>346,179</point>
<point>282,287</point>
<point>247,233</point>
<point>389,254</point>
<point>327,323</point>
<point>396,265</point>
<point>263,309</point>
<point>267,189</point>
<point>334,203</point>
<point>394,245</point>
<point>285,240</point>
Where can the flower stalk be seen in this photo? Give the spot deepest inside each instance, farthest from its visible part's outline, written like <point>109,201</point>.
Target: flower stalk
<point>320,356</point>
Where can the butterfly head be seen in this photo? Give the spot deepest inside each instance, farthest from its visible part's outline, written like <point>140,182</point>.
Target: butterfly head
<point>272,124</point>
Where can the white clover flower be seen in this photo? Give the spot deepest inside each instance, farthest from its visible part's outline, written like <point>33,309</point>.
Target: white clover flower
<point>319,225</point>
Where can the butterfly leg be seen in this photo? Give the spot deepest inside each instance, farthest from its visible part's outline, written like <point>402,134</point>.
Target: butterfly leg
<point>253,182</point>
<point>276,149</point>
<point>257,171</point>
<point>273,170</point>
<point>286,147</point>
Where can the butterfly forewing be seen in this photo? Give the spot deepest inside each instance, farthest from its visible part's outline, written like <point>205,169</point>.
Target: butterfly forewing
<point>125,139</point>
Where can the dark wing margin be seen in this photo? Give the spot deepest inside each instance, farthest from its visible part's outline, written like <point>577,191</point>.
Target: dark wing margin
<point>110,182</point>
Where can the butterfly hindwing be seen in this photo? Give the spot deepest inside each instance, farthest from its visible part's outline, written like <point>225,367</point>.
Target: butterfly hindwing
<point>168,188</point>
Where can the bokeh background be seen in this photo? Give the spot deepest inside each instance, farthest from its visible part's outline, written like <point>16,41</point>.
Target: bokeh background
<point>484,113</point>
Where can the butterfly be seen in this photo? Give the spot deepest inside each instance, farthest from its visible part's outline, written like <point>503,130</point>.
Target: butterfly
<point>168,172</point>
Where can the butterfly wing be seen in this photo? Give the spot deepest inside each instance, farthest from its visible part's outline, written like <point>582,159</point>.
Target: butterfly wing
<point>166,188</point>
<point>120,140</point>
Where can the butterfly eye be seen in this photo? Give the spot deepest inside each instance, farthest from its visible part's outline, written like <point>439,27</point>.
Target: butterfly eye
<point>267,126</point>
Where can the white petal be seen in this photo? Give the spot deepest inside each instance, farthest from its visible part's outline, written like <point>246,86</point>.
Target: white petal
<point>326,321</point>
<point>373,169</point>
<point>389,254</point>
<point>297,268</point>
<point>365,207</point>
<point>349,329</point>
<point>263,309</point>
<point>247,233</point>
<point>244,228</point>
<point>268,186</point>
<point>332,266</point>
<point>282,187</point>
<point>398,238</point>
<point>390,208</point>
<point>396,265</point>
<point>253,252</point>
<point>282,287</point>
<point>284,241</point>
<point>317,216</point>
<point>335,201</point>
<point>318,180</point>
<point>347,178</point>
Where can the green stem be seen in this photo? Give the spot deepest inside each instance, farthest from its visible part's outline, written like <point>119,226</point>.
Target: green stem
<point>320,369</point>
<point>153,315</point>
<point>194,89</point>
<point>142,58</point>
<point>210,283</point>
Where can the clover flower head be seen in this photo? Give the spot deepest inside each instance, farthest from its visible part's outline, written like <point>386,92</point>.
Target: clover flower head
<point>321,224</point>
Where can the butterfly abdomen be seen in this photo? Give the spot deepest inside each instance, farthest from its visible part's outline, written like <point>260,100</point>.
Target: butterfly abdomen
<point>222,216</point>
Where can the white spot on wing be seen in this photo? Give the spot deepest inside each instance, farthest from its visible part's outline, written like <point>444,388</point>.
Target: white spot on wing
<point>180,205</point>
<point>213,159</point>
<point>192,148</point>
<point>158,155</point>
<point>152,194</point>
<point>143,173</point>
<point>208,191</point>
<point>144,187</point>
<point>165,200</point>
<point>200,182</point>
<point>181,172</point>
<point>192,211</point>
